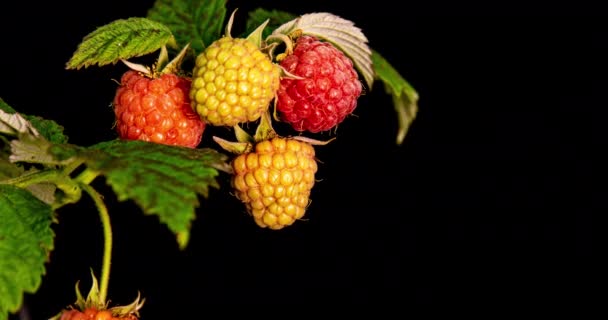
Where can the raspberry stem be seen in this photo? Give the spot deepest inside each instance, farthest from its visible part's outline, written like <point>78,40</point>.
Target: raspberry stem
<point>282,38</point>
<point>107,237</point>
<point>87,176</point>
<point>71,190</point>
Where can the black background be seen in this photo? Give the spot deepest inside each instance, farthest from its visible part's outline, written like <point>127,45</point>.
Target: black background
<point>489,201</point>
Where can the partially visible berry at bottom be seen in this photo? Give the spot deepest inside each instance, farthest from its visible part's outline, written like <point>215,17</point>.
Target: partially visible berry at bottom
<point>93,314</point>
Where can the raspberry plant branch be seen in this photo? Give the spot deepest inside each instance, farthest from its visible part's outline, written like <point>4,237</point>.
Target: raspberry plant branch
<point>133,168</point>
<point>161,112</point>
<point>87,176</point>
<point>73,188</point>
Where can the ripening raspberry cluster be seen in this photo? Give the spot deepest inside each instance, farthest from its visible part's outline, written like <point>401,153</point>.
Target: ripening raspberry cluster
<point>233,81</point>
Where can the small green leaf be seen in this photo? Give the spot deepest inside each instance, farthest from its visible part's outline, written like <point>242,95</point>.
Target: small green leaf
<point>255,36</point>
<point>163,180</point>
<point>197,22</point>
<point>275,17</point>
<point>93,295</point>
<point>8,169</point>
<point>5,107</point>
<point>120,39</point>
<point>405,97</point>
<point>47,128</point>
<point>26,240</point>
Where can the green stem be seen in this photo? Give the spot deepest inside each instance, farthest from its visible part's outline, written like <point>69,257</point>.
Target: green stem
<point>282,38</point>
<point>27,179</point>
<point>71,190</point>
<point>107,237</point>
<point>71,166</point>
<point>87,176</point>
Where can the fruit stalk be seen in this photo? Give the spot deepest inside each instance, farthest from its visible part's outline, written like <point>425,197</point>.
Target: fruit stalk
<point>107,237</point>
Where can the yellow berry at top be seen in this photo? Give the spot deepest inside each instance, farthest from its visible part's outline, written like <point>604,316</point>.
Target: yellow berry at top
<point>233,82</point>
<point>275,180</point>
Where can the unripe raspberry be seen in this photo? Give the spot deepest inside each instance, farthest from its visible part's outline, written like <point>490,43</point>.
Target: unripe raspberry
<point>233,82</point>
<point>328,92</point>
<point>274,180</point>
<point>156,110</point>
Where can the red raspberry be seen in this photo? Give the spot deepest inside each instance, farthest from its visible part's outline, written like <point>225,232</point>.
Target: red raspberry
<point>93,314</point>
<point>329,91</point>
<point>157,110</point>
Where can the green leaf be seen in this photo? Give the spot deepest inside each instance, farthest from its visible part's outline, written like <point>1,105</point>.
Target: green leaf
<point>405,97</point>
<point>341,33</point>
<point>256,36</point>
<point>5,107</point>
<point>120,39</point>
<point>47,128</point>
<point>8,169</point>
<point>14,124</point>
<point>26,240</point>
<point>32,149</point>
<point>163,180</point>
<point>43,191</point>
<point>198,22</point>
<point>275,17</point>
<point>44,183</point>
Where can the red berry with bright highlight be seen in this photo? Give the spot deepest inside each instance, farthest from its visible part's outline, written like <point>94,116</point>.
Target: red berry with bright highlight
<point>328,92</point>
<point>157,110</point>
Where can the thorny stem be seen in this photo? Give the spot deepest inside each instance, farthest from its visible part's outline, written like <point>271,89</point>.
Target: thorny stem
<point>107,237</point>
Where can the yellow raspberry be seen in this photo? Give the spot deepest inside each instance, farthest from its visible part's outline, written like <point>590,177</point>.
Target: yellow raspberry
<point>233,82</point>
<point>274,180</point>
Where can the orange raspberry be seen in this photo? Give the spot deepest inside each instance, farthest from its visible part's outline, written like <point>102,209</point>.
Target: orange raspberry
<point>274,180</point>
<point>156,110</point>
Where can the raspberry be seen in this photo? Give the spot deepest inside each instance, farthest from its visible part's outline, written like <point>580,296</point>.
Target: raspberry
<point>275,180</point>
<point>233,82</point>
<point>93,314</point>
<point>328,92</point>
<point>156,110</point>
